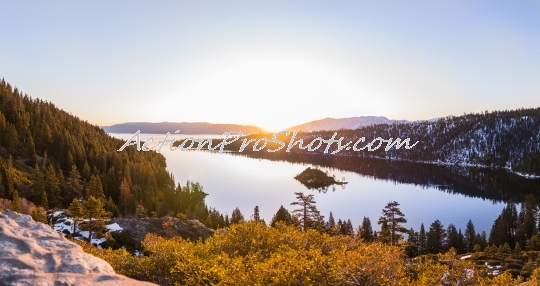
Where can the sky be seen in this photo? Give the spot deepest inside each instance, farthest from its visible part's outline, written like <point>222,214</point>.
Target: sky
<point>274,64</point>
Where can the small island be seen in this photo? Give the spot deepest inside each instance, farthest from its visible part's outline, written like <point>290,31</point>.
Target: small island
<point>316,179</point>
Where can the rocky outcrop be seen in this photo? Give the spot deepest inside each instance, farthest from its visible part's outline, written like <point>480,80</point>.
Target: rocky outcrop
<point>134,230</point>
<point>32,253</point>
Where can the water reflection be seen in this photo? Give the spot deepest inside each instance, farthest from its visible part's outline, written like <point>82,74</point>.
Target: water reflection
<point>495,185</point>
<point>236,180</point>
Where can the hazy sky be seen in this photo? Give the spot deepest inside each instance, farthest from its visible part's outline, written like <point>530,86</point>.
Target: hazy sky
<point>272,63</point>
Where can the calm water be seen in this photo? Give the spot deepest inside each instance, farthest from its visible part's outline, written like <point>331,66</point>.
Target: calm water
<point>237,181</point>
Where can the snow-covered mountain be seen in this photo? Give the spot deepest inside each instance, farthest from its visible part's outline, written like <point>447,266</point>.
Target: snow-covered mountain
<point>343,123</point>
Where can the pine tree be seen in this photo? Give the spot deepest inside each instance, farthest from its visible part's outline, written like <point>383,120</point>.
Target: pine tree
<point>393,217</point>
<point>75,210</point>
<point>93,210</point>
<point>530,208</point>
<point>470,235</point>
<point>349,230</point>
<point>2,187</point>
<point>16,204</point>
<point>52,185</point>
<point>366,231</point>
<point>422,240</point>
<point>462,248</point>
<point>497,235</point>
<point>95,188</point>
<point>384,236</point>
<point>282,215</point>
<point>9,178</point>
<point>86,173</point>
<point>256,216</point>
<point>236,216</point>
<point>412,244</point>
<point>44,201</point>
<point>74,183</point>
<point>111,208</point>
<point>125,195</point>
<point>330,224</point>
<point>308,214</point>
<point>452,238</point>
<point>227,223</point>
<point>435,237</point>
<point>38,183</point>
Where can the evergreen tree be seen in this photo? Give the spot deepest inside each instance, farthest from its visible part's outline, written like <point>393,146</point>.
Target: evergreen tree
<point>393,217</point>
<point>534,243</point>
<point>412,244</point>
<point>256,216</point>
<point>2,187</point>
<point>74,183</point>
<point>86,173</point>
<point>44,201</point>
<point>38,183</point>
<point>452,237</point>
<point>530,215</point>
<point>422,240</point>
<point>125,195</point>
<point>95,188</point>
<point>75,210</point>
<point>496,234</point>
<point>308,214</point>
<point>227,223</point>
<point>470,235</point>
<point>510,219</point>
<point>8,176</point>
<point>330,224</point>
<point>517,249</point>
<point>111,208</point>
<point>349,229</point>
<point>236,216</point>
<point>281,215</point>
<point>16,204</point>
<point>435,237</point>
<point>462,248</point>
<point>384,236</point>
<point>93,210</point>
<point>52,185</point>
<point>366,231</point>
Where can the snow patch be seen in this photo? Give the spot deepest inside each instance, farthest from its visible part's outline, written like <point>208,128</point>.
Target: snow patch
<point>114,227</point>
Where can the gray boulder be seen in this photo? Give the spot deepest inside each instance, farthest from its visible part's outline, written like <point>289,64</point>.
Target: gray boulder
<point>32,253</point>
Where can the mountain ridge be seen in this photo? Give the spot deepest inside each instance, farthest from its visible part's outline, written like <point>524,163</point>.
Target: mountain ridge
<point>352,123</point>
<point>184,127</point>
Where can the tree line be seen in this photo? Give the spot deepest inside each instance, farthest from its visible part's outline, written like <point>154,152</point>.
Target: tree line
<point>50,157</point>
<point>498,139</point>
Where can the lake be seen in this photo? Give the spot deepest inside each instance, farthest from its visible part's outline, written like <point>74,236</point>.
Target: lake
<point>425,192</point>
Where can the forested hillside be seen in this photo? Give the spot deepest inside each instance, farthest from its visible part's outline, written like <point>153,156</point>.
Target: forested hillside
<point>493,139</point>
<point>50,157</point>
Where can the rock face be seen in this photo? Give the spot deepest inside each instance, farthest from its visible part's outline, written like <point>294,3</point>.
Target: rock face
<point>32,253</point>
<point>136,229</point>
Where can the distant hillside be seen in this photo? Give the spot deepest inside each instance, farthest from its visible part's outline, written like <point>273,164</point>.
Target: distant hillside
<point>51,157</point>
<point>498,139</point>
<point>184,127</point>
<point>343,123</point>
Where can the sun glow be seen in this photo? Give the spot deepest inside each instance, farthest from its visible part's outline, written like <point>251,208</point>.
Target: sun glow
<point>273,94</point>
